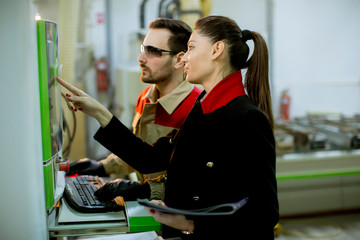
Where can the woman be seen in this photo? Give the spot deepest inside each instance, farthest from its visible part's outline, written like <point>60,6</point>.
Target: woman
<point>224,151</point>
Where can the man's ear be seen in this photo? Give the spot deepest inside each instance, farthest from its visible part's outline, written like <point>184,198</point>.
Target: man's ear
<point>178,62</point>
<point>217,49</point>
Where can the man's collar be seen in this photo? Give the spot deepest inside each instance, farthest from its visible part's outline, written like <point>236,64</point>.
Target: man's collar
<point>152,94</point>
<point>170,101</point>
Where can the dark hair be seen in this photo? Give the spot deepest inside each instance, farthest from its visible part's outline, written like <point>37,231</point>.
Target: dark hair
<point>180,32</point>
<point>219,28</point>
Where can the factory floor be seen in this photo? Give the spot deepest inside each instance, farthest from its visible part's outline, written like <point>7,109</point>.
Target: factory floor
<point>344,226</point>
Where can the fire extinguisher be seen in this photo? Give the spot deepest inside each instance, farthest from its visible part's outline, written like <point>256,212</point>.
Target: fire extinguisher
<point>285,106</point>
<point>102,77</point>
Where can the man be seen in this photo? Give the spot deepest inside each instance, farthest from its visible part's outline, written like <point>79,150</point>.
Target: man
<point>161,108</point>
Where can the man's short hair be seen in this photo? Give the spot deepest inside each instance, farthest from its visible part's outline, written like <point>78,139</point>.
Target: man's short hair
<point>180,32</point>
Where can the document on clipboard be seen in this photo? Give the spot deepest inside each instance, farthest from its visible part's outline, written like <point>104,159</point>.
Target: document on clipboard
<point>217,210</point>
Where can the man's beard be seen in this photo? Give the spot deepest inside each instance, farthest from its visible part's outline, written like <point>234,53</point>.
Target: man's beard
<point>160,76</point>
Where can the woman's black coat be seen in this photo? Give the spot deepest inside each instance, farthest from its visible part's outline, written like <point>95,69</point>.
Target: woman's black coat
<point>218,157</point>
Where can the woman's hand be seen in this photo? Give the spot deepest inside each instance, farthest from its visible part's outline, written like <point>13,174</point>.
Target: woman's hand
<point>79,100</point>
<point>172,220</point>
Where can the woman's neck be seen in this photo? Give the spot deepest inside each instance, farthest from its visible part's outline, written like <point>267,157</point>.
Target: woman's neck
<point>216,77</point>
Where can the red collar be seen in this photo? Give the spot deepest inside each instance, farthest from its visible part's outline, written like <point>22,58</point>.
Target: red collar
<point>225,91</point>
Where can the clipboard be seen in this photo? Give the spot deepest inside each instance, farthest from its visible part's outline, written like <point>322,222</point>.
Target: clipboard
<point>217,210</point>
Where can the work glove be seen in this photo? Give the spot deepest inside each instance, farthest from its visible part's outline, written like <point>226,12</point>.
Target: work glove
<point>129,190</point>
<point>87,167</point>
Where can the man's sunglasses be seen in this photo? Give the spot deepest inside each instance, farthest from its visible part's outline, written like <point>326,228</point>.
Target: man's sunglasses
<point>154,51</point>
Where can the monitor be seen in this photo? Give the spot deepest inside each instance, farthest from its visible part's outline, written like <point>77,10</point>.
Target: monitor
<point>50,105</point>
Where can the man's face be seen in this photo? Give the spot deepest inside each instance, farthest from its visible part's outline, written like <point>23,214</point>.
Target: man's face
<point>156,69</point>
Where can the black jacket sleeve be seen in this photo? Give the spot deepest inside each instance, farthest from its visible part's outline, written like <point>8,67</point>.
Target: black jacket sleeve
<point>143,157</point>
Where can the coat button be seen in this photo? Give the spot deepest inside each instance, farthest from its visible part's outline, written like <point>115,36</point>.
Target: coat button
<point>209,164</point>
<point>196,198</point>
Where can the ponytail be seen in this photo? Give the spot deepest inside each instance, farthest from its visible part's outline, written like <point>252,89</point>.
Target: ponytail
<point>257,76</point>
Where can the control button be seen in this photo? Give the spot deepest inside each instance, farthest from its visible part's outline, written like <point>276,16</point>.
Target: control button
<point>209,164</point>
<point>64,166</point>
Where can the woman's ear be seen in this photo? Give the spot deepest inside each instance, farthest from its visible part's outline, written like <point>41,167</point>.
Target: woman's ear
<point>178,62</point>
<point>217,49</point>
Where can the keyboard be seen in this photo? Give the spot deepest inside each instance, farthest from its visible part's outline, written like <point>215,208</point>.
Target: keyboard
<point>79,193</point>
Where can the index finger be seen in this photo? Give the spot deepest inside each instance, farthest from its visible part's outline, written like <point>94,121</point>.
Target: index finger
<point>69,87</point>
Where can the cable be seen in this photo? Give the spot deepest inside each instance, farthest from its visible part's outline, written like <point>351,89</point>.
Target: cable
<point>67,129</point>
<point>71,136</point>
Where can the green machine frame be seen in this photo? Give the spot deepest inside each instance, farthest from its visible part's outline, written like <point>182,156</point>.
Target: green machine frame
<point>49,157</point>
